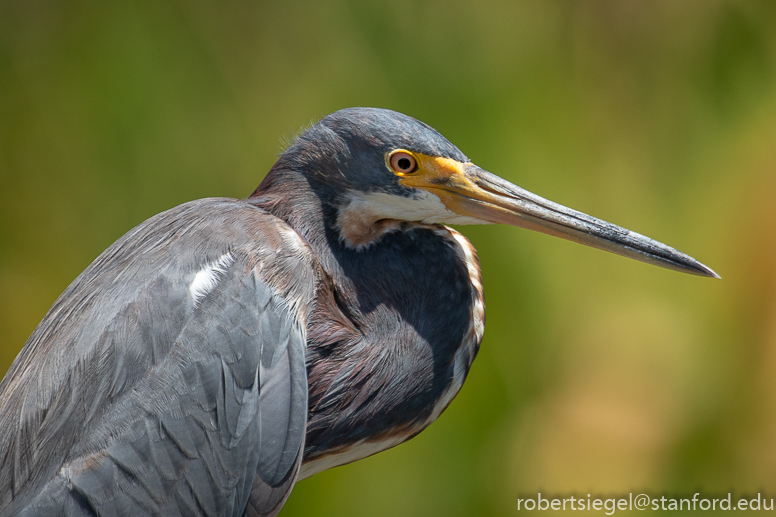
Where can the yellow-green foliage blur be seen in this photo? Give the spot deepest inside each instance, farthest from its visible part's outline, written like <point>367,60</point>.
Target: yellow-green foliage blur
<point>597,374</point>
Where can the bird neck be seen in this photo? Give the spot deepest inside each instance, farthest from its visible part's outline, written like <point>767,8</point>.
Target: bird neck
<point>318,213</point>
<point>288,195</point>
<point>400,321</point>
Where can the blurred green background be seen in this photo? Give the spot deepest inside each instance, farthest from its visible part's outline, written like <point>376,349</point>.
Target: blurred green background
<point>597,374</point>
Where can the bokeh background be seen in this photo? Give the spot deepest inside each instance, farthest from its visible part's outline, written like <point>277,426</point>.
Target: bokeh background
<point>597,374</point>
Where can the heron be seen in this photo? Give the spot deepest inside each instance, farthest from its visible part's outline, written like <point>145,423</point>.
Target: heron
<point>226,348</point>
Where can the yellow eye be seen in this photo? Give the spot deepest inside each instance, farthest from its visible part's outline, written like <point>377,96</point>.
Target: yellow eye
<point>403,162</point>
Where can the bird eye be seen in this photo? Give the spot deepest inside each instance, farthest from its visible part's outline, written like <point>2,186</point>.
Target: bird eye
<point>403,162</point>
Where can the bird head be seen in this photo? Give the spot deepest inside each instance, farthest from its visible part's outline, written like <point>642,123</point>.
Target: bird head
<point>378,169</point>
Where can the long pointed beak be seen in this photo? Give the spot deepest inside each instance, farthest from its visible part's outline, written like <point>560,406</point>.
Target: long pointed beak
<point>471,191</point>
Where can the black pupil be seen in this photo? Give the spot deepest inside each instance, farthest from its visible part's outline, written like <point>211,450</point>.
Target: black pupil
<point>404,163</point>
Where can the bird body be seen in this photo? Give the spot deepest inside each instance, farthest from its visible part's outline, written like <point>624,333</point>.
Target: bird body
<point>225,348</point>
<point>166,400</point>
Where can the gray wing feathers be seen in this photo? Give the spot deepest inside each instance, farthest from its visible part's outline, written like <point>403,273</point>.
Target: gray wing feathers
<point>276,471</point>
<point>179,406</point>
